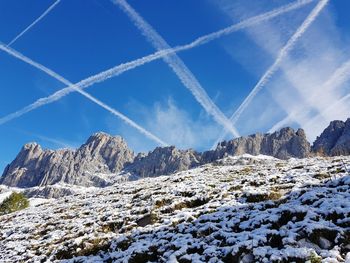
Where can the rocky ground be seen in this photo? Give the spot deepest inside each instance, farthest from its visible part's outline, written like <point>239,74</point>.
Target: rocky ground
<point>239,209</point>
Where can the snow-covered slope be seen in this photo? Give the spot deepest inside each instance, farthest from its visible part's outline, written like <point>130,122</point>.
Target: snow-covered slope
<point>248,209</point>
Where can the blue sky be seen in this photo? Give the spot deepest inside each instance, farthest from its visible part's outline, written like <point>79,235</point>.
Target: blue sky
<point>80,38</point>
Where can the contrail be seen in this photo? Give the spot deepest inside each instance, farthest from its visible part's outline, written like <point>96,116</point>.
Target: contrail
<point>245,24</point>
<point>275,66</point>
<point>178,66</point>
<point>339,77</point>
<point>119,69</point>
<point>76,88</point>
<point>333,107</point>
<point>36,21</point>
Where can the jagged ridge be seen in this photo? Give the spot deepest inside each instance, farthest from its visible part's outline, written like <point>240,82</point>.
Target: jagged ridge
<point>102,153</point>
<point>102,157</point>
<point>334,140</point>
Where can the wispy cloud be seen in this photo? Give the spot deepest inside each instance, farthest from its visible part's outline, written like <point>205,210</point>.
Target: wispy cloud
<point>119,69</point>
<point>178,66</point>
<point>283,53</point>
<point>167,119</point>
<point>180,128</point>
<point>35,22</point>
<point>339,77</point>
<point>339,109</point>
<point>57,142</point>
<point>298,84</point>
<point>79,90</point>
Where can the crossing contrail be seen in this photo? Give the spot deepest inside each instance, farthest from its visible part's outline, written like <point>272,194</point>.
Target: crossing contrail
<point>119,69</point>
<point>275,66</point>
<point>178,66</point>
<point>76,88</point>
<point>340,76</point>
<point>36,21</point>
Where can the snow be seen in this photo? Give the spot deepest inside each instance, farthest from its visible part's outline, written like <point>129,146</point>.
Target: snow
<point>219,212</point>
<point>3,196</point>
<point>38,201</point>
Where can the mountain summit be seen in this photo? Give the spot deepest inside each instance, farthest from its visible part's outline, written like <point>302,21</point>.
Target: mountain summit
<point>334,140</point>
<point>102,157</point>
<point>282,144</point>
<point>102,153</point>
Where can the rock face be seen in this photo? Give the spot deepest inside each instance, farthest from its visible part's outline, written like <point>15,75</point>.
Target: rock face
<point>282,144</point>
<point>164,160</point>
<point>334,140</point>
<point>34,166</point>
<point>49,191</point>
<point>97,162</point>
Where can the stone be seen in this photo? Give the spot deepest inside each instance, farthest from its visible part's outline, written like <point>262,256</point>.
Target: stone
<point>102,153</point>
<point>282,144</point>
<point>164,160</point>
<point>334,140</point>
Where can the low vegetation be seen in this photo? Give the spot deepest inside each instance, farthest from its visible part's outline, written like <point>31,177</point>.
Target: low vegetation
<point>13,203</point>
<point>266,215</point>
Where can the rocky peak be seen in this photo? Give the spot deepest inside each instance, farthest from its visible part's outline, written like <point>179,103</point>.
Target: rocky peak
<point>164,160</point>
<point>283,144</point>
<point>334,140</point>
<point>28,152</point>
<point>31,146</point>
<point>104,148</point>
<point>286,143</point>
<point>301,133</point>
<point>102,153</point>
<point>102,138</point>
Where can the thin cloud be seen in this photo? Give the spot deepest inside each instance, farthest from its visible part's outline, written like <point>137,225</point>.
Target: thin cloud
<point>298,83</point>
<point>119,69</point>
<point>55,141</point>
<point>338,78</point>
<point>338,109</point>
<point>178,66</point>
<point>283,53</point>
<point>35,22</point>
<point>79,90</point>
<point>167,119</point>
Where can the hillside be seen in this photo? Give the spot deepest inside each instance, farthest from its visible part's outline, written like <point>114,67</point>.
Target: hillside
<point>245,208</point>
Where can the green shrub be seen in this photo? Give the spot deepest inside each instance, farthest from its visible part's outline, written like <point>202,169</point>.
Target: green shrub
<point>13,203</point>
<point>314,258</point>
<point>260,197</point>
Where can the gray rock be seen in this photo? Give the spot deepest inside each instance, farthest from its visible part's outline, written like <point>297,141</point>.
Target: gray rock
<point>49,191</point>
<point>286,143</point>
<point>164,160</point>
<point>334,140</point>
<point>248,258</point>
<point>324,243</point>
<point>282,144</point>
<point>342,146</point>
<point>104,155</point>
<point>34,166</point>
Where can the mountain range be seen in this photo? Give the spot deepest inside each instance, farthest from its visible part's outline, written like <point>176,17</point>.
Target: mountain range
<point>105,159</point>
<point>85,205</point>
